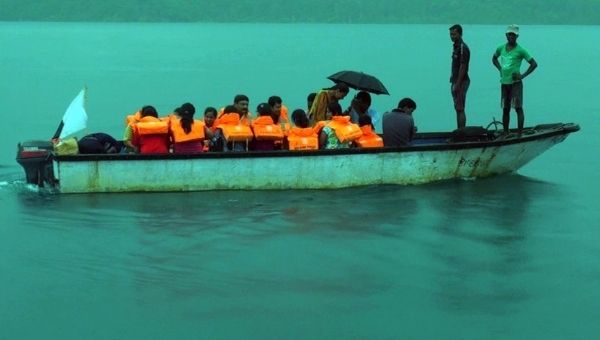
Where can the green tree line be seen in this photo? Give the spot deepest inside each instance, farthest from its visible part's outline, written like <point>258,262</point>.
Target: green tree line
<point>577,12</point>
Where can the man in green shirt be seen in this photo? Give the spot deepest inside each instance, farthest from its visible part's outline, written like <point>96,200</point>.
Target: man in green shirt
<point>511,55</point>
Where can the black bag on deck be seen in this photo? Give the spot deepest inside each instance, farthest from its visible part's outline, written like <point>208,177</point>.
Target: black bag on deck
<point>469,134</point>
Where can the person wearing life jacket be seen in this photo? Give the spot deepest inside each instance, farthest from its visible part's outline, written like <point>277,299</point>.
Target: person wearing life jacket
<point>339,133</point>
<point>369,139</point>
<point>319,107</point>
<point>301,136</point>
<point>150,134</point>
<point>234,132</point>
<point>241,103</point>
<point>188,134</point>
<point>210,117</point>
<point>280,111</point>
<point>266,132</point>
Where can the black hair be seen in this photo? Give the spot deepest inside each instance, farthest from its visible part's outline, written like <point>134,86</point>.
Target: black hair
<point>364,97</point>
<point>264,109</point>
<point>187,111</point>
<point>456,27</point>
<point>240,97</point>
<point>407,102</point>
<point>365,120</point>
<point>149,110</point>
<point>210,109</point>
<point>311,96</point>
<point>274,100</point>
<point>300,119</point>
<point>342,87</point>
<point>231,109</point>
<point>335,108</point>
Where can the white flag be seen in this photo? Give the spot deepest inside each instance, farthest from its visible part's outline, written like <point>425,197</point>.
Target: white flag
<point>75,118</point>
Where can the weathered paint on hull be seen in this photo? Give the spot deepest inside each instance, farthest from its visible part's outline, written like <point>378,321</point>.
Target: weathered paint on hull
<point>293,172</point>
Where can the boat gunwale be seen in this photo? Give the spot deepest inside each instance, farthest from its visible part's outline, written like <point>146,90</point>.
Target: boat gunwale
<point>559,129</point>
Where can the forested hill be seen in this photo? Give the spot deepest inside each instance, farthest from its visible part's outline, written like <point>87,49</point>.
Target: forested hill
<point>577,12</point>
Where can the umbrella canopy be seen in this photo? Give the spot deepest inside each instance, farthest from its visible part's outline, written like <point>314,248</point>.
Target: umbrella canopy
<point>359,81</point>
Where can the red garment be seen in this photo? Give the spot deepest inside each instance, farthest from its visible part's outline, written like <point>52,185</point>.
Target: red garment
<point>188,147</point>
<point>151,135</point>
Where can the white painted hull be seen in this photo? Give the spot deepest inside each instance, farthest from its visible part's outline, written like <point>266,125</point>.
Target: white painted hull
<point>285,170</point>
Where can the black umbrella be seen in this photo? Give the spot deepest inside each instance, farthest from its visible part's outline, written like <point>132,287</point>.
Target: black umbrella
<point>359,81</point>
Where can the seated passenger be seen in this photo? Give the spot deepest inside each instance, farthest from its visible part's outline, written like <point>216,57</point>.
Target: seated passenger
<point>210,116</point>
<point>99,143</point>
<point>361,105</point>
<point>150,134</point>
<point>233,131</point>
<point>188,134</point>
<point>301,136</point>
<point>280,111</point>
<point>266,132</point>
<point>241,104</point>
<point>339,133</point>
<point>369,138</point>
<point>398,125</point>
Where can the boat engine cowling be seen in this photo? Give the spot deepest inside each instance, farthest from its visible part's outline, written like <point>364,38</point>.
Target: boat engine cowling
<point>36,159</point>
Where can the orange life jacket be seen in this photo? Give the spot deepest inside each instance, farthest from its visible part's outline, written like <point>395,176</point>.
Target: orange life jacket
<point>133,118</point>
<point>151,135</point>
<point>320,125</point>
<point>284,113</point>
<point>344,130</point>
<point>303,139</point>
<point>151,126</point>
<point>265,129</point>
<point>179,135</point>
<point>234,130</point>
<point>369,138</point>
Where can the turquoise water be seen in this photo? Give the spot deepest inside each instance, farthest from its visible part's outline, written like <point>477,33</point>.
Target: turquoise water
<point>513,257</point>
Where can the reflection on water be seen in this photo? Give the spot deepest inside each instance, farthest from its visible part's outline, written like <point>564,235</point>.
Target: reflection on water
<point>472,232</point>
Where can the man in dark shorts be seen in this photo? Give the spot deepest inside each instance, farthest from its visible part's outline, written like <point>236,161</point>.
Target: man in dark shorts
<point>459,79</point>
<point>511,55</point>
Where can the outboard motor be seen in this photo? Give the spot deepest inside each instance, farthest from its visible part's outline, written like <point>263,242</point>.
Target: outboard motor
<point>36,158</point>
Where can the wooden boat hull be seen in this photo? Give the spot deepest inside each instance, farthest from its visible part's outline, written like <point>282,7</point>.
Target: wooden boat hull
<point>283,170</point>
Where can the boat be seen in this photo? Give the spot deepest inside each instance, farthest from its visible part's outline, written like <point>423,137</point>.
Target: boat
<point>466,153</point>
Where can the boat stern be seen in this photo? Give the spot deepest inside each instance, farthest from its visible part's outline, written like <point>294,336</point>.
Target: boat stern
<point>36,159</point>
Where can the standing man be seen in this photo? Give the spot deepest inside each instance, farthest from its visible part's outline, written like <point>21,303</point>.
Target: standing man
<point>459,79</point>
<point>511,55</point>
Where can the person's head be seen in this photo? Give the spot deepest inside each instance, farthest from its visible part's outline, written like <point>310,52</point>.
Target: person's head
<point>455,33</point>
<point>241,102</point>
<point>407,105</point>
<point>210,114</point>
<point>362,101</point>
<point>186,111</point>
<point>299,118</point>
<point>340,90</point>
<point>275,103</point>
<point>149,111</point>
<point>365,120</point>
<point>512,33</point>
<point>231,109</point>
<point>335,109</point>
<point>264,109</point>
<point>310,99</point>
